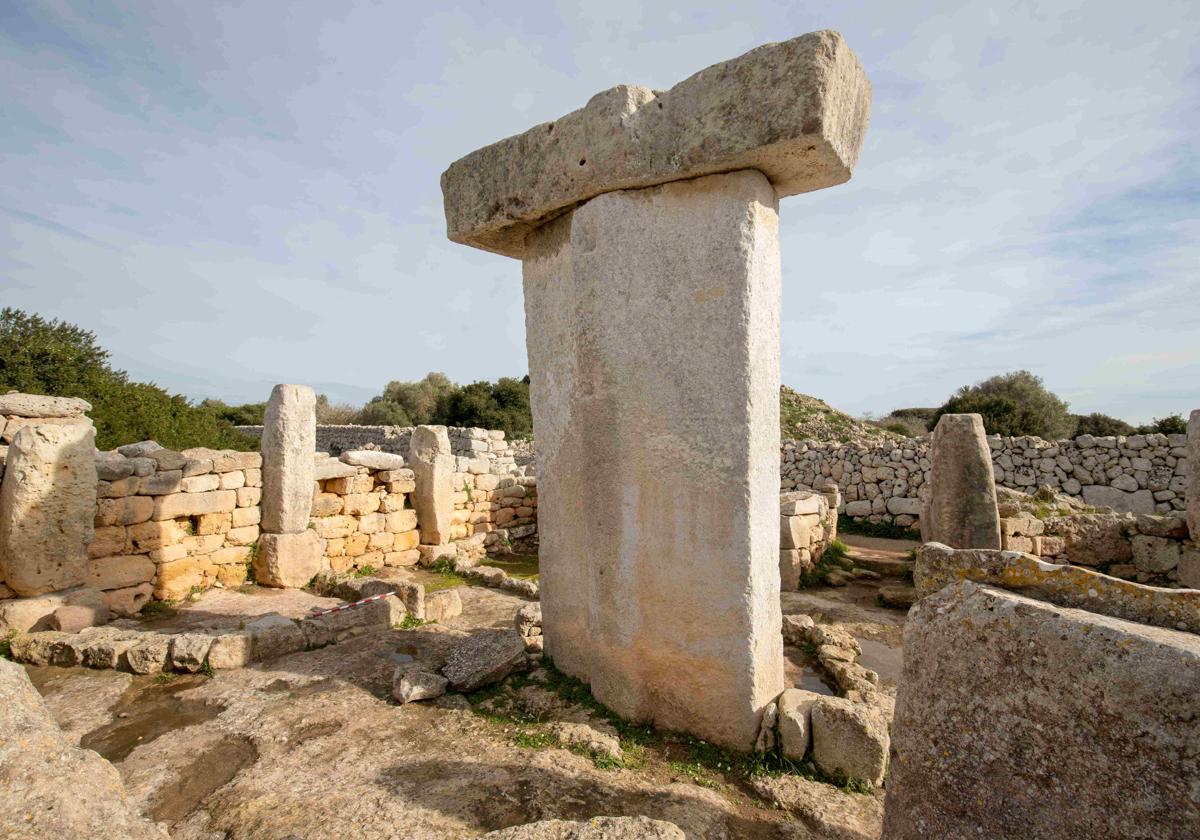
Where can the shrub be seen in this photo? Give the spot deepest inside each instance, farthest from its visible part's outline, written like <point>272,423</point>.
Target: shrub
<point>1100,425</point>
<point>1173,424</point>
<point>1012,404</point>
<point>53,357</point>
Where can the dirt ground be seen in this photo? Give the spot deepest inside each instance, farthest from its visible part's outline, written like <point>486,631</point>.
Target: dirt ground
<point>311,745</point>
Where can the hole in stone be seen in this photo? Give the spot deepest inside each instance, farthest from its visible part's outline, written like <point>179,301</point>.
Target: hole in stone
<point>550,128</point>
<point>582,161</point>
<point>660,105</point>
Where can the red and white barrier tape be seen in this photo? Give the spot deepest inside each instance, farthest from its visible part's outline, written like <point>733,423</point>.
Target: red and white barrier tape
<point>317,612</point>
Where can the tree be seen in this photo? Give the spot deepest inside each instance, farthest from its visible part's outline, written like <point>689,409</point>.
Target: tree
<point>247,414</point>
<point>1172,424</point>
<point>334,414</point>
<point>1100,425</point>
<point>1012,404</point>
<point>408,403</point>
<point>60,359</point>
<point>502,405</point>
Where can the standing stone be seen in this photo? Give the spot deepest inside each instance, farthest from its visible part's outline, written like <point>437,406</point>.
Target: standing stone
<point>1018,719</point>
<point>658,450</point>
<point>960,509</point>
<point>648,226</point>
<point>1192,494</point>
<point>47,508</point>
<point>433,470</point>
<point>288,442</point>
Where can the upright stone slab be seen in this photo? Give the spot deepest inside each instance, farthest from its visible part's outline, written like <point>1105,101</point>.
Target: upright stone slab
<point>960,508</point>
<point>1193,476</point>
<point>652,301</point>
<point>656,449</point>
<point>47,508</point>
<point>432,464</point>
<point>289,440</point>
<point>1017,719</point>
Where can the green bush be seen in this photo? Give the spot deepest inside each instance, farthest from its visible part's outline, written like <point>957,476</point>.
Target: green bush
<point>53,357</point>
<point>1173,424</point>
<point>1100,425</point>
<point>1012,404</point>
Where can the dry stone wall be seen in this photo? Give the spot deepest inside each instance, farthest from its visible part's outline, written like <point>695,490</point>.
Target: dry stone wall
<point>883,481</point>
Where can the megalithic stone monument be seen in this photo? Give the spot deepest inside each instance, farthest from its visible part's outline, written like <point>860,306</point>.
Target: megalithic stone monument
<point>647,223</point>
<point>960,506</point>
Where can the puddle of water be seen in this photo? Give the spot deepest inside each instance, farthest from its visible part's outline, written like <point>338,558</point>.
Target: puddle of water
<point>883,660</point>
<point>151,709</point>
<point>207,772</point>
<point>398,658</point>
<point>802,672</point>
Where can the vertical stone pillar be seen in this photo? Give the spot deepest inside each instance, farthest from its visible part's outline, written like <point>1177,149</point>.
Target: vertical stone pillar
<point>289,553</point>
<point>960,507</point>
<point>657,449</point>
<point>1192,494</point>
<point>47,507</point>
<point>647,222</point>
<point>432,464</point>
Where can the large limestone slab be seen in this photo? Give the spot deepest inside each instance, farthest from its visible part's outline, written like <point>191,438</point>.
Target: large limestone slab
<point>47,508</point>
<point>1193,475</point>
<point>795,111</point>
<point>288,441</point>
<point>51,787</point>
<point>652,322</point>
<point>432,463</point>
<point>939,566</point>
<point>1018,719</point>
<point>960,508</point>
<point>37,405</point>
<point>289,561</point>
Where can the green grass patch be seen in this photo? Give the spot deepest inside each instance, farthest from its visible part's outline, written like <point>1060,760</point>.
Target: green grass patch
<point>365,571</point>
<point>155,609</point>
<point>834,557</point>
<point>884,530</point>
<point>410,622</point>
<point>534,740</point>
<point>165,678</point>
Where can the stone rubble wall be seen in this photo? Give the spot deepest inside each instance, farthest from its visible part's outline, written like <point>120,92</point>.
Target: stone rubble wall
<point>807,526</point>
<point>882,482</point>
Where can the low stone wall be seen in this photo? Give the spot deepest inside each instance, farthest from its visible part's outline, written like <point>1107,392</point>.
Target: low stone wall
<point>807,525</point>
<point>364,515</point>
<point>882,482</point>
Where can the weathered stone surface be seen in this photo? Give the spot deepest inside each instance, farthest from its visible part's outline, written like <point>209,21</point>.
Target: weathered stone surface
<point>596,828</point>
<point>231,650</point>
<point>638,410</point>
<point>189,650</point>
<point>442,605</point>
<point>849,739</point>
<point>274,635</point>
<point>47,508</point>
<point>194,504</point>
<point>288,442</point>
<point>486,657</point>
<point>26,614</point>
<point>1095,539</point>
<point>1192,493</point>
<point>960,509</point>
<point>37,405</point>
<point>528,619</point>
<point>831,812</point>
<point>332,468</point>
<point>289,560</point>
<point>150,655</point>
<point>795,722</point>
<point>129,600</point>
<point>52,788</point>
<point>409,684</point>
<point>939,566</point>
<point>433,467</point>
<point>795,111</point>
<point>1007,703</point>
<point>140,449</point>
<point>372,459</point>
<point>597,739</point>
<point>72,619</point>
<point>1138,501</point>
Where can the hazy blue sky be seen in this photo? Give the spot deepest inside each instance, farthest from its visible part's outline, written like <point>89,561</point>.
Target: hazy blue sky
<point>233,195</point>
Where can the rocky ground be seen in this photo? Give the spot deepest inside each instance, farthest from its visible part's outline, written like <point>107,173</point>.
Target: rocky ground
<point>312,745</point>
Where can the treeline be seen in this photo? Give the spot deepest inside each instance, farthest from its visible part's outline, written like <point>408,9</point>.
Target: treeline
<point>434,400</point>
<point>53,357</point>
<point>1018,403</point>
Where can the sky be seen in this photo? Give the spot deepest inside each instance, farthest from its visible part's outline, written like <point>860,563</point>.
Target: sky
<point>232,195</point>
